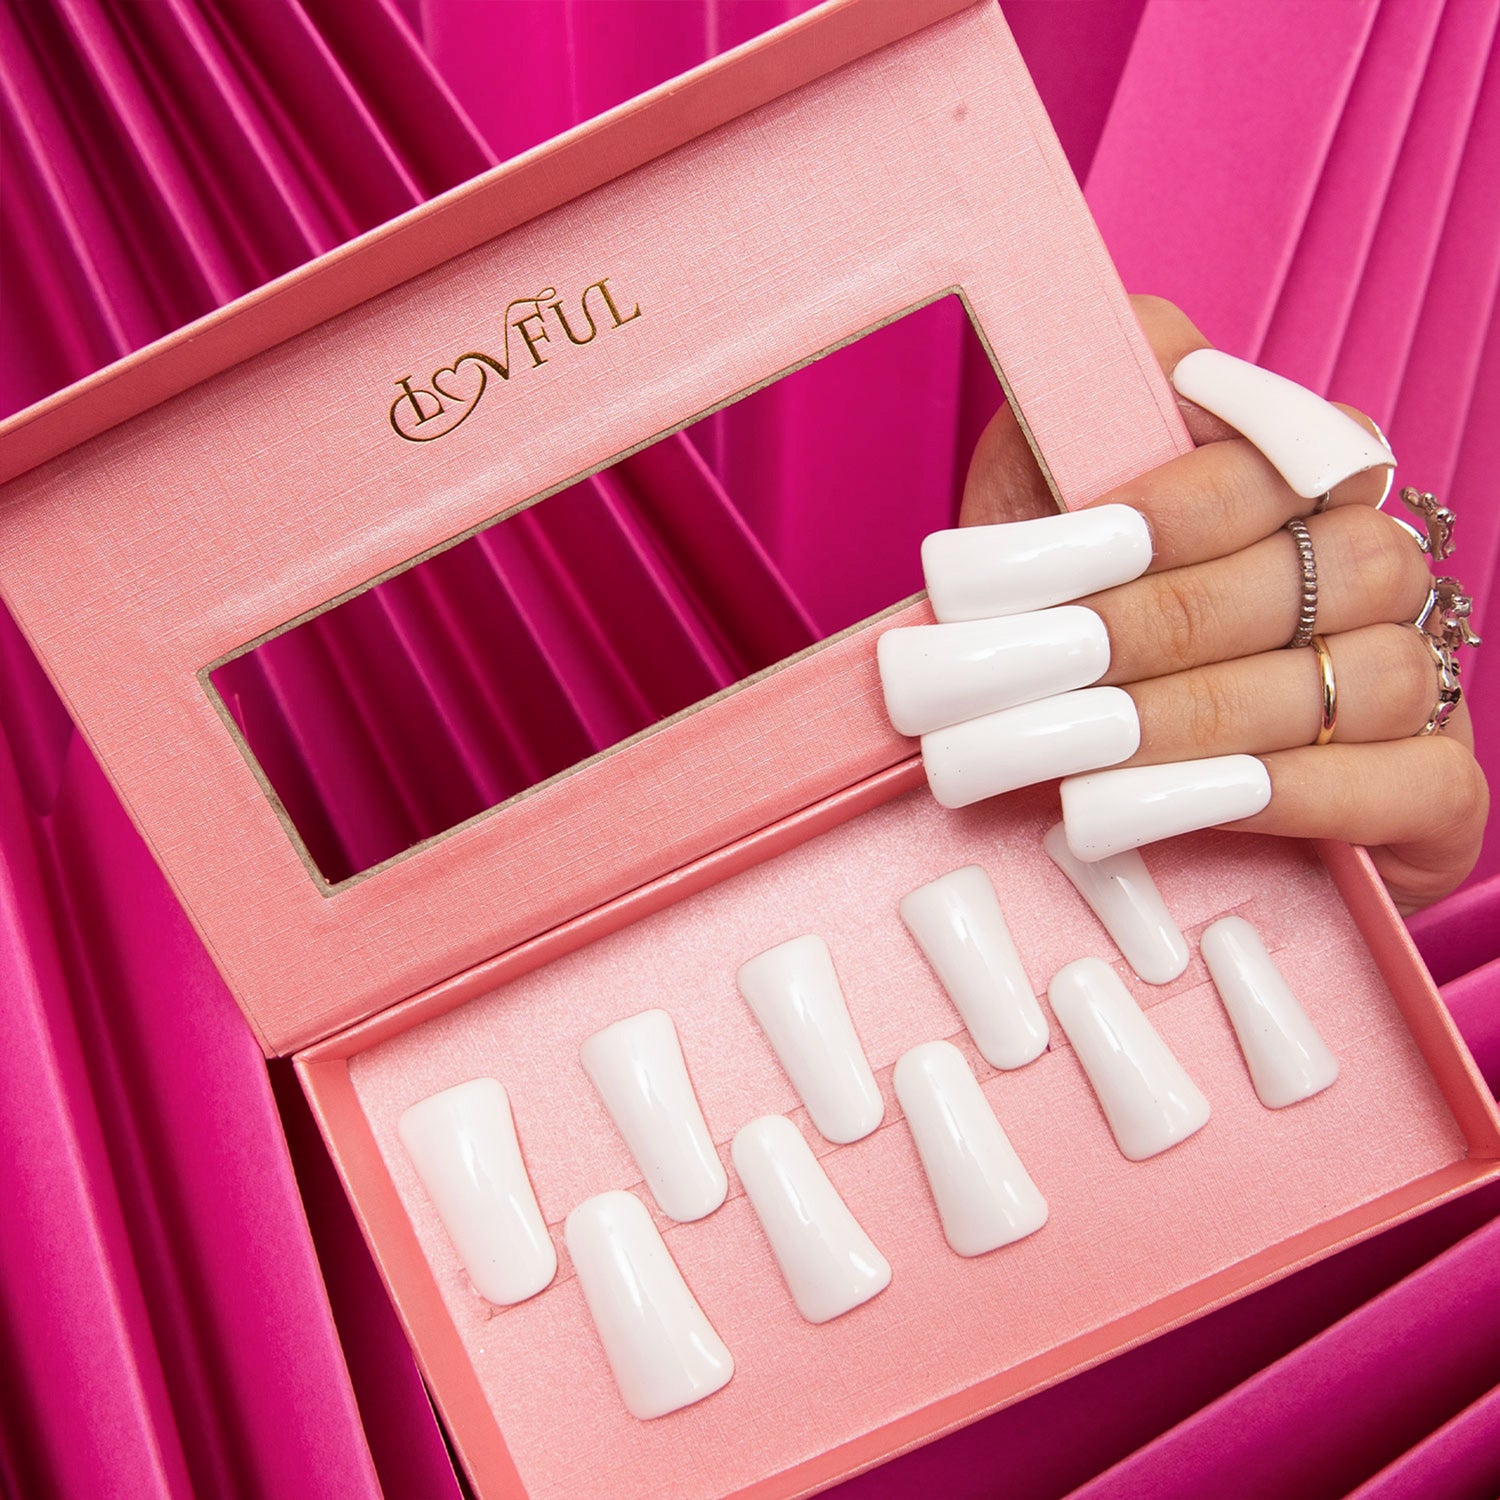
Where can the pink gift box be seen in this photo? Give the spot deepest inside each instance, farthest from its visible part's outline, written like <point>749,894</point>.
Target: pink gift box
<point>198,498</point>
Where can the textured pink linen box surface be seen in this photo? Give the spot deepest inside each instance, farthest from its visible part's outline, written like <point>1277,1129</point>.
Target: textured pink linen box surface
<point>313,438</point>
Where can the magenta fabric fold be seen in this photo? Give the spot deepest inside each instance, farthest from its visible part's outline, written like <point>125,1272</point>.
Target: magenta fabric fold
<point>1334,1412</point>
<point>1460,1461</point>
<point>1312,182</point>
<point>167,1332</point>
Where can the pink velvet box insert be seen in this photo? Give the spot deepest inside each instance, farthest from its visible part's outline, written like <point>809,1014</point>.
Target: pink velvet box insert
<point>1130,1249</point>
<point>211,491</point>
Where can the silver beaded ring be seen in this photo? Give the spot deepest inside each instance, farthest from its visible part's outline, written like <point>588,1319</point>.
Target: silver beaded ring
<point>1307,618</point>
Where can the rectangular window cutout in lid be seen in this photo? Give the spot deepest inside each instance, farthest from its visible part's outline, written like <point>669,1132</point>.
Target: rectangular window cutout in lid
<point>589,616</point>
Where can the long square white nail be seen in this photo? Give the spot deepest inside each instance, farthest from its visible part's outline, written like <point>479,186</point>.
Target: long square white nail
<point>663,1351</point>
<point>985,1197</point>
<point>463,1144</point>
<point>957,922</point>
<point>937,675</point>
<point>1310,441</point>
<point>1018,747</point>
<point>1107,812</point>
<point>828,1262</point>
<point>1287,1059</point>
<point>638,1069</point>
<point>975,572</point>
<point>1122,894</point>
<point>1145,1093</point>
<point>794,993</point>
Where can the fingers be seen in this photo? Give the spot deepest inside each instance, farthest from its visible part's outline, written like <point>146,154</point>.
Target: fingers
<point>1210,502</point>
<point>1369,572</point>
<point>1226,717</point>
<point>1005,482</point>
<point>1419,805</point>
<point>1387,686</point>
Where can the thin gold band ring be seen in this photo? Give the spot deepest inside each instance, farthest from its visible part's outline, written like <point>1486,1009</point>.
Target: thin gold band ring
<point>1330,705</point>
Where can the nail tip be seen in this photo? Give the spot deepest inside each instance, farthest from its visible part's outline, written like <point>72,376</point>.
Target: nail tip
<point>1148,1100</point>
<point>639,1072</point>
<point>1286,1057</point>
<point>661,1349</point>
<point>463,1145</point>
<point>793,990</point>
<point>827,1261</point>
<point>1277,1100</point>
<point>1312,443</point>
<point>1164,973</point>
<point>984,1196</point>
<point>1017,747</point>
<point>1019,567</point>
<point>1122,895</point>
<point>1008,1060</point>
<point>846,1134</point>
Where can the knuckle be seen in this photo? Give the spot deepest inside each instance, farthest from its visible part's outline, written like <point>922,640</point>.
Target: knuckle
<point>1463,793</point>
<point>1204,711</point>
<point>1408,676</point>
<point>1471,789</point>
<point>1380,566</point>
<point>1240,476</point>
<point>1177,620</point>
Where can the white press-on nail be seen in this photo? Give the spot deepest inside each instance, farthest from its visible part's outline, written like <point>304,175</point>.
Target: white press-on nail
<point>1309,440</point>
<point>463,1144</point>
<point>1018,747</point>
<point>1124,897</point>
<point>662,1349</point>
<point>1288,1060</point>
<point>984,1195</point>
<point>828,1261</point>
<point>794,993</point>
<point>638,1069</point>
<point>1145,1093</point>
<point>958,924</point>
<point>1111,811</point>
<point>936,675</point>
<point>974,572</point>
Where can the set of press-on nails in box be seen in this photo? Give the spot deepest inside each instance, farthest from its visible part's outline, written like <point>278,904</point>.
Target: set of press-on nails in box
<point>662,1349</point>
<point>999,692</point>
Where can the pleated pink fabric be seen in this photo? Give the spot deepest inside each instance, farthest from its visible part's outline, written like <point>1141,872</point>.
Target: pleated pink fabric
<point>1314,183</point>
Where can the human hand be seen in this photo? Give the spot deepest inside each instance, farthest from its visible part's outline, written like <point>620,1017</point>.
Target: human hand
<point>1197,642</point>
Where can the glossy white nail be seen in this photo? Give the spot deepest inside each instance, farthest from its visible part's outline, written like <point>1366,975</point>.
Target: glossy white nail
<point>829,1264</point>
<point>463,1144</point>
<point>1288,1060</point>
<point>638,1069</point>
<point>957,922</point>
<point>1145,1093</point>
<point>937,675</point>
<point>974,572</point>
<point>1018,747</point>
<point>1111,811</point>
<point>1310,441</point>
<point>663,1351</point>
<point>1122,894</point>
<point>984,1195</point>
<point>794,993</point>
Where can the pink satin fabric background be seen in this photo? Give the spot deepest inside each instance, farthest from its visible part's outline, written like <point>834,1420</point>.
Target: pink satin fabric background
<point>1313,182</point>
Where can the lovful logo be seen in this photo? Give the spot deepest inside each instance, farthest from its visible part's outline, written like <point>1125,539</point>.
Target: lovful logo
<point>453,391</point>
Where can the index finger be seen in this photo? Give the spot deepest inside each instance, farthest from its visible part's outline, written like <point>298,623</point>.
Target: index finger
<point>1222,496</point>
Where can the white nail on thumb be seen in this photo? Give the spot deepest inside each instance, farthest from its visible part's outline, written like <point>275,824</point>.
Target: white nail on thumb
<point>1310,441</point>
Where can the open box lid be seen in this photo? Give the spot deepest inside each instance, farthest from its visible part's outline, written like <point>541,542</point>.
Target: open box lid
<point>250,469</point>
